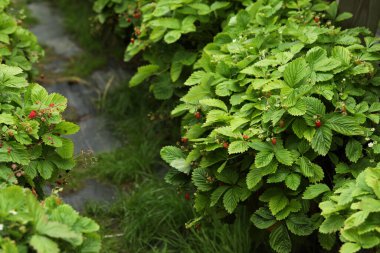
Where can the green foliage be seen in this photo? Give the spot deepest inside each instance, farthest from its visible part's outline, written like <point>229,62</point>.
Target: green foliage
<point>18,46</point>
<point>358,203</point>
<point>169,34</point>
<point>279,104</point>
<point>47,227</point>
<point>33,149</point>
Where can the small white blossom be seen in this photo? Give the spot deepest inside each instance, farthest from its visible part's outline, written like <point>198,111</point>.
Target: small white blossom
<point>370,144</point>
<point>13,212</point>
<point>367,138</point>
<point>372,129</point>
<point>1,227</point>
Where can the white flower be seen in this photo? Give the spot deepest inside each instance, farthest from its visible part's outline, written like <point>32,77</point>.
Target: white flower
<point>13,212</point>
<point>372,129</point>
<point>1,227</point>
<point>370,144</point>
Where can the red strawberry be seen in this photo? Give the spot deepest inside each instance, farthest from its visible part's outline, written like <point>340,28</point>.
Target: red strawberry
<point>32,114</point>
<point>129,20</point>
<point>245,137</point>
<point>274,141</point>
<point>184,140</point>
<point>52,105</point>
<point>225,145</point>
<point>318,123</point>
<point>187,196</point>
<point>316,19</point>
<point>137,15</point>
<point>197,115</point>
<point>132,40</point>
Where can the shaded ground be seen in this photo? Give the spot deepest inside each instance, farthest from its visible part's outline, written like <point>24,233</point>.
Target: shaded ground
<point>94,136</point>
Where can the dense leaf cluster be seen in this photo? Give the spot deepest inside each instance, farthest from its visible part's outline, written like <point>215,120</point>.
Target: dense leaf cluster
<point>32,152</point>
<point>18,46</point>
<point>281,107</point>
<point>47,227</point>
<point>169,34</point>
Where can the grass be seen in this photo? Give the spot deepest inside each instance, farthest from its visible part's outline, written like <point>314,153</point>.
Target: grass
<point>152,217</point>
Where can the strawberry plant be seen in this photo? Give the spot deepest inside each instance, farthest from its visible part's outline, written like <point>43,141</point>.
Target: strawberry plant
<point>168,34</point>
<point>26,225</point>
<point>290,102</point>
<point>18,46</point>
<point>353,209</point>
<point>32,146</point>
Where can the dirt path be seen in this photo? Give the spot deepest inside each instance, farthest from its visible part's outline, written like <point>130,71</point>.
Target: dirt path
<point>94,135</point>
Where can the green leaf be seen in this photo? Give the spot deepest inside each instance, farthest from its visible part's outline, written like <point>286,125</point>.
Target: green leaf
<point>172,36</point>
<point>212,102</point>
<point>353,150</point>
<point>298,109</point>
<point>231,199</point>
<point>195,78</point>
<point>279,240</point>
<point>296,71</point>
<point>217,194</point>
<point>65,127</point>
<point>315,190</point>
<point>327,241</point>
<point>356,219</point>
<point>343,16</point>
<point>284,156</point>
<point>293,181</point>
<point>237,147</point>
<point>321,141</point>
<point>181,165</point>
<point>300,225</point>
<point>332,224</point>
<point>52,140</point>
<point>199,179</point>
<point>45,169</point>
<point>43,244</point>
<point>263,158</point>
<point>305,166</point>
<point>143,73</point>
<point>263,219</point>
<point>175,71</point>
<point>345,125</point>
<point>66,151</point>
<point>349,247</point>
<point>171,153</point>
<point>278,203</point>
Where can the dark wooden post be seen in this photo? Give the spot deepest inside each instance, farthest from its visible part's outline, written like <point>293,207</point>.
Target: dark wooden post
<point>366,13</point>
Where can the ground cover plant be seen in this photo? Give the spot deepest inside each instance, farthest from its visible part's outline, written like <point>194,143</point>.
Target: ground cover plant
<point>33,151</point>
<point>168,34</point>
<point>282,108</point>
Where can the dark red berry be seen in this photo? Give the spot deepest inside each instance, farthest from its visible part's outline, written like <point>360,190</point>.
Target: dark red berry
<point>226,144</point>
<point>197,115</point>
<point>52,105</point>
<point>184,140</point>
<point>187,196</point>
<point>32,114</point>
<point>318,123</point>
<point>245,137</point>
<point>132,40</point>
<point>274,141</point>
<point>129,20</point>
<point>137,15</point>
<point>316,19</point>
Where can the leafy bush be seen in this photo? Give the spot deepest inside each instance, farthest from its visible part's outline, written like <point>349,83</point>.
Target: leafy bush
<point>18,46</point>
<point>32,148</point>
<point>354,210</point>
<point>27,225</point>
<point>280,102</point>
<point>168,33</point>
